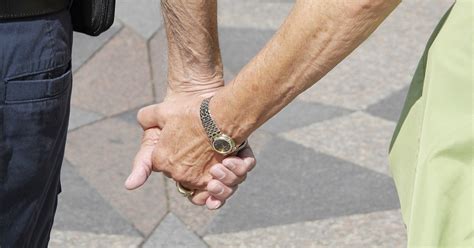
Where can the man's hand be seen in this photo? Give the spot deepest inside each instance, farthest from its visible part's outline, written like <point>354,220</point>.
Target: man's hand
<point>174,143</point>
<point>182,151</point>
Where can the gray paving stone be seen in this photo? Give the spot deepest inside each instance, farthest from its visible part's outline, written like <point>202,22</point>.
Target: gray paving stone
<point>76,239</point>
<point>102,154</point>
<point>85,46</point>
<point>359,137</point>
<point>159,64</point>
<point>80,117</point>
<point>81,208</point>
<point>117,78</point>
<point>172,233</point>
<point>390,107</point>
<point>143,16</point>
<point>292,183</point>
<point>240,45</point>
<point>252,14</point>
<point>299,114</point>
<point>377,229</point>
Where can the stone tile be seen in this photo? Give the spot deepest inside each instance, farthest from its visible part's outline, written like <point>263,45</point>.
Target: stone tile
<point>102,153</point>
<point>240,45</point>
<point>173,233</point>
<point>143,16</point>
<point>385,63</point>
<point>130,116</point>
<point>378,229</point>
<point>390,107</point>
<point>359,138</point>
<point>117,78</point>
<point>196,218</point>
<point>252,14</point>
<point>159,64</point>
<point>299,114</point>
<point>81,208</point>
<point>86,46</point>
<point>80,117</point>
<point>259,140</point>
<point>292,183</point>
<point>75,239</point>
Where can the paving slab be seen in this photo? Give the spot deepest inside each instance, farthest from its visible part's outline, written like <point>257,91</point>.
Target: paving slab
<point>143,16</point>
<point>391,107</point>
<point>292,183</point>
<point>246,42</point>
<point>299,114</point>
<point>377,229</point>
<point>84,46</point>
<point>82,208</point>
<point>80,117</point>
<point>102,153</point>
<point>252,14</point>
<point>172,233</point>
<point>75,239</point>
<point>159,63</point>
<point>117,78</point>
<point>359,137</point>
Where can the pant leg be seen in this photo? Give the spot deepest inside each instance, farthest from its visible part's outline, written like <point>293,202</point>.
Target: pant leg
<point>35,88</point>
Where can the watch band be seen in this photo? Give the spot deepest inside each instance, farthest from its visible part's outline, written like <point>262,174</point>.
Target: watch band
<point>208,123</point>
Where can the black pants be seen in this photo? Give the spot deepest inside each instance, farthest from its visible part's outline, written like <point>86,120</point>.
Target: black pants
<point>35,90</point>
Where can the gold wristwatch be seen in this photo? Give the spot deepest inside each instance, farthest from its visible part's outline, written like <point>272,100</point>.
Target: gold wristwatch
<point>220,142</point>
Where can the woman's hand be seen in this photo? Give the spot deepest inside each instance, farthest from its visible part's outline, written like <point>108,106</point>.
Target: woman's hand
<point>175,143</point>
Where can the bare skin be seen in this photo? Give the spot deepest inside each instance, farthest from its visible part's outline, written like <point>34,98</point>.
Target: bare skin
<point>314,38</point>
<point>195,72</point>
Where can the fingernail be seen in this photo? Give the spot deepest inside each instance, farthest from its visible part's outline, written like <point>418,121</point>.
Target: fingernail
<point>217,172</point>
<point>216,189</point>
<point>215,205</point>
<point>228,164</point>
<point>248,161</point>
<point>128,179</point>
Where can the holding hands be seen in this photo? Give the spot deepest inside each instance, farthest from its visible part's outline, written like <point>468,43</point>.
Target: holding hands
<point>175,143</point>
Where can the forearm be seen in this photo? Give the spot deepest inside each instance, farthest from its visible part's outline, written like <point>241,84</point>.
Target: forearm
<point>315,37</point>
<point>194,59</point>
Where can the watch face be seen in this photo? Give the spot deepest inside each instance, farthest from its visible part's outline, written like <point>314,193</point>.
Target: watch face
<point>222,145</point>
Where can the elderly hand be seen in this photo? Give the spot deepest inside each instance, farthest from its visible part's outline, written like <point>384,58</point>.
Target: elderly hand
<point>175,143</point>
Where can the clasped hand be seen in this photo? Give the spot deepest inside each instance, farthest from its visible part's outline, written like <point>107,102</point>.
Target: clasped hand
<point>175,143</point>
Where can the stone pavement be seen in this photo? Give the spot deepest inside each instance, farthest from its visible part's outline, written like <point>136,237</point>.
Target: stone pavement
<point>322,179</point>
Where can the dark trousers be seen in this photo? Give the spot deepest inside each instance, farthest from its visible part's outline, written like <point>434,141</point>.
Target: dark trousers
<point>35,90</point>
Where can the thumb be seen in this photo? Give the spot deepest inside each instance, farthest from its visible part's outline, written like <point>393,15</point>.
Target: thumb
<point>152,116</point>
<point>142,164</point>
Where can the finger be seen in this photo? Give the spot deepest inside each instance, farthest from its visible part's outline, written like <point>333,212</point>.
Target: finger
<point>226,176</point>
<point>199,198</point>
<point>142,164</point>
<point>242,163</point>
<point>219,190</point>
<point>152,116</point>
<point>213,203</point>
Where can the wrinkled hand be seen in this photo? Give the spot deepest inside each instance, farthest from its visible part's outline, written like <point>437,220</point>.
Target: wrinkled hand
<point>175,143</point>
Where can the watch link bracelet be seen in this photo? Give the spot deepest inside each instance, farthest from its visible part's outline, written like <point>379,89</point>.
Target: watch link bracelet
<point>221,143</point>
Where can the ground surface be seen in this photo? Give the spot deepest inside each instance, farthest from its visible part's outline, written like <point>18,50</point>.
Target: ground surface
<point>322,179</point>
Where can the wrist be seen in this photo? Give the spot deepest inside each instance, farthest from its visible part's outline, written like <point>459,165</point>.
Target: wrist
<point>231,117</point>
<point>193,88</point>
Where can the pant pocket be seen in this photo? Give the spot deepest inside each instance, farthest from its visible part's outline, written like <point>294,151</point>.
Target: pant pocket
<point>35,120</point>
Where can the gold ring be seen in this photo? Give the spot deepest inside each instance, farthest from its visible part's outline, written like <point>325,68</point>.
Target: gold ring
<point>184,191</point>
